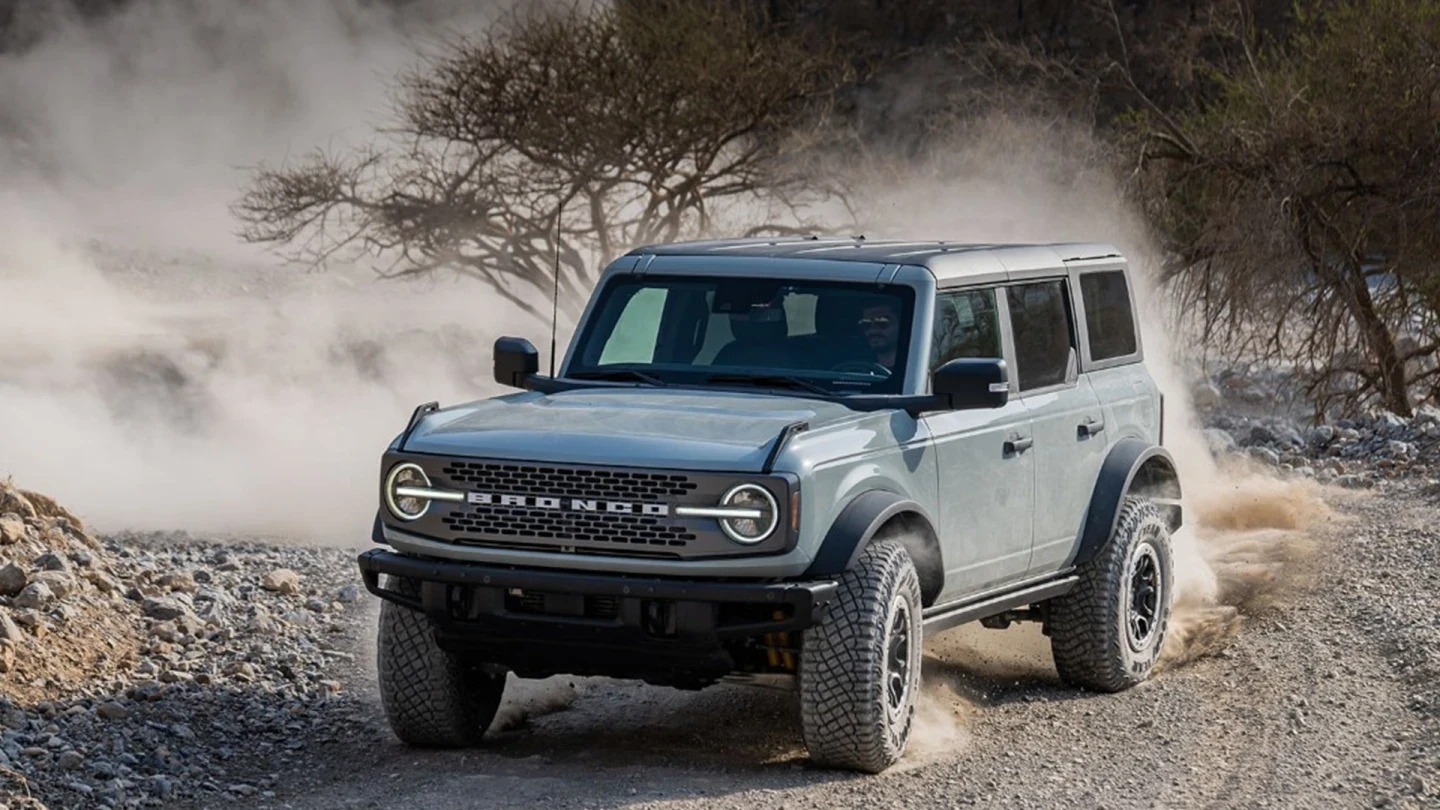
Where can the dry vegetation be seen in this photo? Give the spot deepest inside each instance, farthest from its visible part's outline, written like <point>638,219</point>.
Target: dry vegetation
<point>611,128</point>
<point>1301,204</point>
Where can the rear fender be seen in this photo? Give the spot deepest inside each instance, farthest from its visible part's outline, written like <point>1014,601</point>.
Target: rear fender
<point>1132,467</point>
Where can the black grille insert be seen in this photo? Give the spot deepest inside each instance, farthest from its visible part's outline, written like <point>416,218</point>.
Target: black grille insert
<point>615,485</point>
<point>568,527</point>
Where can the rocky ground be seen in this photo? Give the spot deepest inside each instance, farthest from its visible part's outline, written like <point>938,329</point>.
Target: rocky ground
<point>1353,452</point>
<point>178,671</point>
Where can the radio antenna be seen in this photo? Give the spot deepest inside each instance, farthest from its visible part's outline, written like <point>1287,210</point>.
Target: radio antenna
<point>555,297</point>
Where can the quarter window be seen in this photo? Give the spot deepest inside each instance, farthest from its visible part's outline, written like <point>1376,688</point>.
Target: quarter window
<point>1044,336</point>
<point>966,325</point>
<point>1108,316</point>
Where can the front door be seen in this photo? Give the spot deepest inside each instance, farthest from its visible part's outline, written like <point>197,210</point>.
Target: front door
<point>1065,415</point>
<point>986,474</point>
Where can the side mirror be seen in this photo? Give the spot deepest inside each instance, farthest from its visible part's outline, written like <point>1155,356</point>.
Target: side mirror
<point>972,383</point>
<point>515,360</point>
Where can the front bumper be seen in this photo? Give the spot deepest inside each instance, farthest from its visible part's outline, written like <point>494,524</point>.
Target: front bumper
<point>541,622</point>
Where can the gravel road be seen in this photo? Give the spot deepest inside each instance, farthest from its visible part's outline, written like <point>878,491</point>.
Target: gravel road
<point>240,674</point>
<point>1327,697</point>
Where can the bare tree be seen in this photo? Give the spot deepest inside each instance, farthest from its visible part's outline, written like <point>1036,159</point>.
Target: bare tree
<point>1303,206</point>
<point>638,122</point>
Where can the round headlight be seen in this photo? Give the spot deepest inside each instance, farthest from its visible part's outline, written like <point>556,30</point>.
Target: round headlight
<point>760,523</point>
<point>406,476</point>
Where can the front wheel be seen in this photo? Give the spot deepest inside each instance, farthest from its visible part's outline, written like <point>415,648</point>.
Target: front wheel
<point>432,698</point>
<point>860,667</point>
<point>1106,633</point>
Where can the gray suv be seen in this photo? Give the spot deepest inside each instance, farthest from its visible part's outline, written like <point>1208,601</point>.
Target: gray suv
<point>787,460</point>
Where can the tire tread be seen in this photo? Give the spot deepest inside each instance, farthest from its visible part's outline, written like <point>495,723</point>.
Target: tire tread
<point>431,698</point>
<point>843,664</point>
<point>1085,634</point>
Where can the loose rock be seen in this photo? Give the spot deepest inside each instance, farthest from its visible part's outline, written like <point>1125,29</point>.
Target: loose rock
<point>34,595</point>
<point>12,528</point>
<point>51,562</point>
<point>163,608</point>
<point>12,579</point>
<point>282,580</point>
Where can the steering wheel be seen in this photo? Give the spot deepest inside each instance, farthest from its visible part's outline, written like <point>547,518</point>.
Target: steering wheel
<point>862,367</point>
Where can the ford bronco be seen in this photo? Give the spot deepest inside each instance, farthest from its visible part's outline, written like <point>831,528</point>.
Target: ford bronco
<point>787,460</point>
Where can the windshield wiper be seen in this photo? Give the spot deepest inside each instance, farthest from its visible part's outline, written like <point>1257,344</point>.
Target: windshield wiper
<point>776,380</point>
<point>620,374</point>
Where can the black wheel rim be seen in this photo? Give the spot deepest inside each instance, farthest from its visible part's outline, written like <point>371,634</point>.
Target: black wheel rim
<point>897,659</point>
<point>1146,587</point>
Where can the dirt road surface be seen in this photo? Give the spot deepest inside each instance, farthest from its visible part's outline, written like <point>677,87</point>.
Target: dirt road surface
<point>1328,696</point>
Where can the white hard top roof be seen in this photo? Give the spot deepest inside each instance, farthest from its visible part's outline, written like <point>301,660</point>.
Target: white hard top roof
<point>946,260</point>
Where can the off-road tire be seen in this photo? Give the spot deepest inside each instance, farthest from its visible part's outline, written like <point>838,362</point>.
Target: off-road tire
<point>1090,633</point>
<point>845,699</point>
<point>432,699</point>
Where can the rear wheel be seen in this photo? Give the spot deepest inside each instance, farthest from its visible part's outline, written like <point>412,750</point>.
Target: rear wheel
<point>1106,633</point>
<point>860,667</point>
<point>432,698</point>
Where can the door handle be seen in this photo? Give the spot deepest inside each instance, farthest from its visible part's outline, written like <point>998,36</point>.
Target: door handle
<point>1015,446</point>
<point>1090,427</point>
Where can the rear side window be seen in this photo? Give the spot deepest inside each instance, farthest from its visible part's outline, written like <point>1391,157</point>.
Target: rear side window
<point>1044,346</point>
<point>1108,316</point>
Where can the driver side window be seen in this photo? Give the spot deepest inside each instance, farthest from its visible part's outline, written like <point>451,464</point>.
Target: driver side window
<point>966,325</point>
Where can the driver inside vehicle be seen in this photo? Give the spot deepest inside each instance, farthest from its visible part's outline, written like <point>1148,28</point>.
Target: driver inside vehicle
<point>880,325</point>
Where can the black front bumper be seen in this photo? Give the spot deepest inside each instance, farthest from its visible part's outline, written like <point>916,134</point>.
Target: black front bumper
<point>541,622</point>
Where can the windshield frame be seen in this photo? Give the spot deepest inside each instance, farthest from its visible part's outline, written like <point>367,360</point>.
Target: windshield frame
<point>914,296</point>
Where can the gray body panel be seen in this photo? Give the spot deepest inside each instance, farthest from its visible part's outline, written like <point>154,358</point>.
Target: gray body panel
<point>1000,518</point>
<point>1063,460</point>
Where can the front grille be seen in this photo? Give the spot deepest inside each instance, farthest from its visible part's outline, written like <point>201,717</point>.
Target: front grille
<point>569,527</point>
<point>535,506</point>
<point>615,485</point>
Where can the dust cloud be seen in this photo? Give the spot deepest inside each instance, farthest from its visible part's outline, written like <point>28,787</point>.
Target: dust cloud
<point>156,372</point>
<point>526,700</point>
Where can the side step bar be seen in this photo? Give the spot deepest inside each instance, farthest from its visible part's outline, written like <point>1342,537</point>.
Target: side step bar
<point>945,617</point>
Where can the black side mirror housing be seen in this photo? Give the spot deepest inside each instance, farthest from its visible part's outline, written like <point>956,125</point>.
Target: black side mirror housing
<point>968,383</point>
<point>516,359</point>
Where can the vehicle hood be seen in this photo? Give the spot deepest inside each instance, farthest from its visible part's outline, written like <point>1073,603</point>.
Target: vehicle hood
<point>629,427</point>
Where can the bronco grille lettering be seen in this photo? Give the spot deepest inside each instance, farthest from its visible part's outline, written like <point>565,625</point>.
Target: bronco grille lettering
<point>568,504</point>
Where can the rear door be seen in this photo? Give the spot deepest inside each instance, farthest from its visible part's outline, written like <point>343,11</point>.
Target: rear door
<point>1111,353</point>
<point>1065,415</point>
<point>986,486</point>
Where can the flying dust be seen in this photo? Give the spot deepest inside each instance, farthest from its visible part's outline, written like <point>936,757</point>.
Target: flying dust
<point>156,374</point>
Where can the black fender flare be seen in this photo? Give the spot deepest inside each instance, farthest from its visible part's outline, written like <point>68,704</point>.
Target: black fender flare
<point>1117,476</point>
<point>857,523</point>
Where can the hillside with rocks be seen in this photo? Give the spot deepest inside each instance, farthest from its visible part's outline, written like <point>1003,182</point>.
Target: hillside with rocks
<point>143,670</point>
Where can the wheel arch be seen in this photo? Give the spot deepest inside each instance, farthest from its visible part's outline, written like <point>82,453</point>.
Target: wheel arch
<point>1132,467</point>
<point>880,513</point>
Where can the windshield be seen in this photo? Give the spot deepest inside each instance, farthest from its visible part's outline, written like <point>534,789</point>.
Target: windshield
<point>816,336</point>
